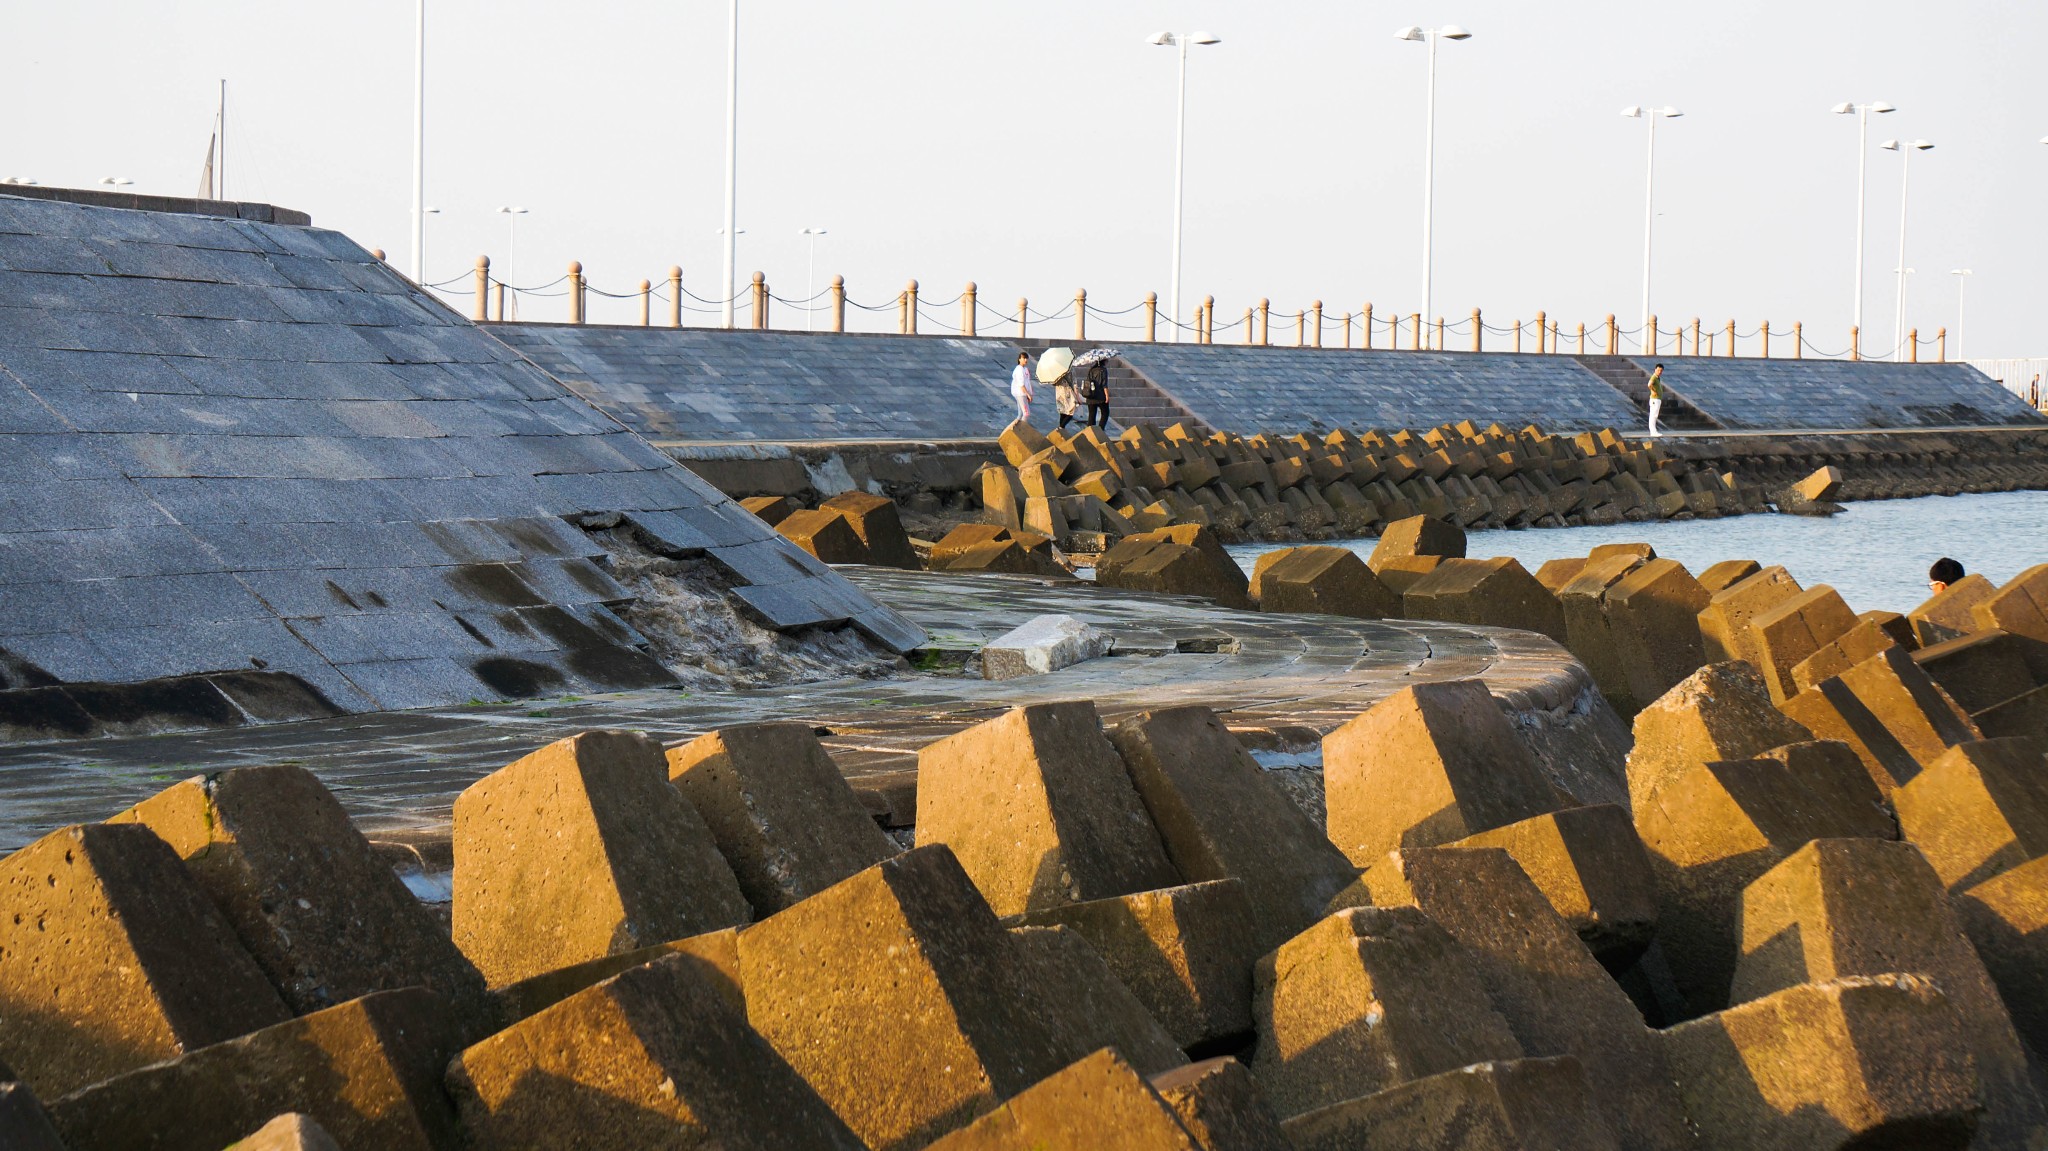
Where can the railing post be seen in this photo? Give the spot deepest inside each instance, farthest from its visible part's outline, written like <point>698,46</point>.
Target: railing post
<point>1582,337</point>
<point>903,313</point>
<point>910,311</point>
<point>760,301</point>
<point>1152,319</point>
<point>1650,337</point>
<point>1913,340</point>
<point>967,325</point>
<point>839,303</point>
<point>1518,336</point>
<point>675,296</point>
<point>1730,353</point>
<point>1542,331</point>
<point>646,295</point>
<point>1301,329</point>
<point>1855,342</point>
<point>1766,353</point>
<point>501,303</point>
<point>1695,335</point>
<point>1081,313</point>
<point>1941,341</point>
<point>1208,335</point>
<point>1023,316</point>
<point>1251,330</point>
<point>1365,328</point>
<point>1440,334</point>
<point>1265,320</point>
<point>377,254</point>
<point>1415,340</point>
<point>1347,331</point>
<point>1799,339</point>
<point>1613,336</point>
<point>575,292</point>
<point>483,288</point>
<point>1478,332</point>
<point>1317,308</point>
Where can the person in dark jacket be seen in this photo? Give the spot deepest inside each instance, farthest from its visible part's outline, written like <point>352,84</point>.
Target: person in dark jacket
<point>1095,390</point>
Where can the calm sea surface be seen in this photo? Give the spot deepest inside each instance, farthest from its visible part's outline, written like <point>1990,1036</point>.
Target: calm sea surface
<point>1875,553</point>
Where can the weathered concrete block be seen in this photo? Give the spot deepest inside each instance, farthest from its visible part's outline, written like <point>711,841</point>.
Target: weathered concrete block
<point>1726,574</point>
<point>1496,592</point>
<point>1185,952</point>
<point>1040,811</point>
<point>1429,765</point>
<point>1185,559</point>
<point>781,813</point>
<point>1220,818</point>
<point>1399,573</point>
<point>825,534</point>
<point>1864,1061</point>
<point>289,1132</point>
<point>1653,624</point>
<point>1556,998</point>
<point>1980,809</point>
<point>1365,1000</point>
<point>321,915</point>
<point>1555,574</point>
<point>1582,604</point>
<point>581,850</point>
<point>1725,633</point>
<point>1831,770</point>
<point>880,528</point>
<point>771,509</point>
<point>1100,1101</point>
<point>1980,670</point>
<point>1822,485</point>
<point>2020,607</point>
<point>1513,1105</point>
<point>1888,709</point>
<point>1067,980</point>
<point>1042,645</point>
<point>1220,1104</point>
<point>24,1126</point>
<point>1859,643</point>
<point>1321,580</point>
<point>1951,612</point>
<point>1789,632</point>
<point>1590,865</point>
<point>369,1071</point>
<point>1419,536</point>
<point>654,1056</point>
<point>990,548</point>
<point>2006,920</point>
<point>1840,907</point>
<point>112,957</point>
<point>1002,497</point>
<point>1020,441</point>
<point>899,999</point>
<point>717,953</point>
<point>1720,712</point>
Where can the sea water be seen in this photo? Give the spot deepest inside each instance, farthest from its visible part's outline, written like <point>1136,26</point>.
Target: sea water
<point>1875,553</point>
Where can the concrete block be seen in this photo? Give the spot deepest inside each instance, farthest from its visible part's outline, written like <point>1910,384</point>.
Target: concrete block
<point>880,528</point>
<point>1653,625</point>
<point>779,809</point>
<point>1726,574</point>
<point>289,1132</point>
<point>1863,1061</point>
<point>1399,573</point>
<point>1178,560</point>
<point>1890,711</point>
<point>772,510</point>
<point>2023,715</point>
<point>1219,818</point>
<point>1039,810</point>
<point>1720,712</point>
<point>1085,1001</point>
<point>1590,865</point>
<point>1368,999</point>
<point>113,957</point>
<point>2020,607</point>
<point>1429,765</point>
<point>1794,629</point>
<point>1515,1105</point>
<point>1979,809</point>
<point>368,1071</point>
<point>580,850</point>
<point>1725,633</point>
<point>1582,603</point>
<point>1821,486</point>
<point>717,954</point>
<point>1100,1101</point>
<point>1002,497</point>
<point>1859,643</point>
<point>322,916</point>
<point>1951,612</point>
<point>1842,907</point>
<point>1042,645</point>
<point>1980,670</point>
<point>1416,536</point>
<point>1555,574</point>
<point>1020,441</point>
<point>1321,581</point>
<point>1220,1104</point>
<point>1495,592</point>
<point>825,534</point>
<point>25,1126</point>
<point>654,1056</point>
<point>2006,920</point>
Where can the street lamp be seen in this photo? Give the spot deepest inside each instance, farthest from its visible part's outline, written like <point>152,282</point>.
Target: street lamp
<point>21,180</point>
<point>1430,36</point>
<point>1962,276</point>
<point>732,122</point>
<point>1179,40</point>
<point>811,281</point>
<point>419,144</point>
<point>511,275</point>
<point>1862,113</point>
<point>1639,112</point>
<point>116,181</point>
<point>1905,149</point>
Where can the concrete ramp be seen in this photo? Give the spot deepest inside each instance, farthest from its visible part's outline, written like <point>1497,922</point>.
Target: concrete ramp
<point>248,473</point>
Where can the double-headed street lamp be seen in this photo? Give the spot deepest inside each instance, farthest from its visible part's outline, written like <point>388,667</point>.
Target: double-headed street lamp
<point>1430,36</point>
<point>1862,113</point>
<point>1179,40</point>
<point>1905,149</point>
<point>1638,112</point>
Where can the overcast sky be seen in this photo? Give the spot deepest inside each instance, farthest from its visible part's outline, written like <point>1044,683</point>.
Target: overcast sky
<point>1028,145</point>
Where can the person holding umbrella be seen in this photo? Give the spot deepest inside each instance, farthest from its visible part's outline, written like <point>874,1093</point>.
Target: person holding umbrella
<point>1020,387</point>
<point>1095,390</point>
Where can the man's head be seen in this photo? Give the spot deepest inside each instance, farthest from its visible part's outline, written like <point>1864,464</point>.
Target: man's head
<point>1660,367</point>
<point>1944,572</point>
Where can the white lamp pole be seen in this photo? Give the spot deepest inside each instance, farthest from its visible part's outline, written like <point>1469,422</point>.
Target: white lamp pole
<point>1905,149</point>
<point>1430,36</point>
<point>511,275</point>
<point>1862,112</point>
<point>1179,40</point>
<point>1962,276</point>
<point>732,119</point>
<point>419,145</point>
<point>811,281</point>
<point>1639,112</point>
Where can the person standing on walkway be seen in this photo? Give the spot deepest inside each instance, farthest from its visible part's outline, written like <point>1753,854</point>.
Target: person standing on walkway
<point>1096,391</point>
<point>1656,397</point>
<point>1066,396</point>
<point>1020,387</point>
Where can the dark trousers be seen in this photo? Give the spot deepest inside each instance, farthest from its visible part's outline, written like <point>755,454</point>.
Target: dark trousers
<point>1098,414</point>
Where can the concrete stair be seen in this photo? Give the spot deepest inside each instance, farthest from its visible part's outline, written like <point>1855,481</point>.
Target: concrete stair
<point>1629,378</point>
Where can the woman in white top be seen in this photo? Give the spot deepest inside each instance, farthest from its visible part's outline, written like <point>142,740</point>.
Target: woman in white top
<point>1020,386</point>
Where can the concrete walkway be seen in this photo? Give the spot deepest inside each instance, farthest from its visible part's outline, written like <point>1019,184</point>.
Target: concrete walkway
<point>1282,680</point>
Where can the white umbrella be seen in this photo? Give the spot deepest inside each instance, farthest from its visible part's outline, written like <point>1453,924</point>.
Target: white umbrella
<point>1054,363</point>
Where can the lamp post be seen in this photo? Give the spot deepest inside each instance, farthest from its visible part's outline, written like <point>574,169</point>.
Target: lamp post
<point>811,281</point>
<point>419,144</point>
<point>732,121</point>
<point>1639,112</point>
<point>1430,36</point>
<point>1862,113</point>
<point>111,181</point>
<point>1962,276</point>
<point>1179,40</point>
<point>511,275</point>
<point>1905,149</point>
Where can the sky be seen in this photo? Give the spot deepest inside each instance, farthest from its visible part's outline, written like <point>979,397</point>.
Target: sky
<point>1028,145</point>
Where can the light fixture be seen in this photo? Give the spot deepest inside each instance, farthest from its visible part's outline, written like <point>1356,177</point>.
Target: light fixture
<point>1180,40</point>
<point>116,181</point>
<point>26,182</point>
<point>1430,36</point>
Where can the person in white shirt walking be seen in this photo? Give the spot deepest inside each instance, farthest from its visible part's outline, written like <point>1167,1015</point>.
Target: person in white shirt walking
<point>1020,386</point>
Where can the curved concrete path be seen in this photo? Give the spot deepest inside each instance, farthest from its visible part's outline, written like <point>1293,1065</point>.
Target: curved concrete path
<point>1280,680</point>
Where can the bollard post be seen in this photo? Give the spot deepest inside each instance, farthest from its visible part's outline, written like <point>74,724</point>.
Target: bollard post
<point>501,303</point>
<point>1478,330</point>
<point>1265,319</point>
<point>967,327</point>
<point>1081,314</point>
<point>1542,331</point>
<point>910,306</point>
<point>646,295</point>
<point>760,301</point>
<point>1695,335</point>
<point>1365,328</point>
<point>1730,353</point>
<point>1347,331</point>
<point>839,303</point>
<point>483,288</point>
<point>575,292</point>
<point>1415,343</point>
<point>1613,336</point>
<point>1317,308</point>
<point>1799,339</point>
<point>1913,341</point>
<point>1650,338</point>
<point>1766,353</point>
<point>675,296</point>
<point>377,254</point>
<point>1941,341</point>
<point>1023,316</point>
<point>1518,336</point>
<point>1301,329</point>
<point>1251,329</point>
<point>1208,335</point>
<point>1582,338</point>
<point>1152,319</point>
<point>902,316</point>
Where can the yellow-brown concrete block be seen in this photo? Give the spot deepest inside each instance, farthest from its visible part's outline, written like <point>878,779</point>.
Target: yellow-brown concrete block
<point>717,953</point>
<point>1322,581</point>
<point>1888,709</point>
<point>1514,1105</point>
<point>1100,1101</point>
<point>2020,607</point>
<point>1419,536</point>
<point>1495,592</point>
<point>1588,862</point>
<point>1980,809</point>
<point>1789,632</point>
<point>1220,1104</point>
<point>1725,633</point>
<point>2006,920</point>
<point>1720,712</point>
<point>826,534</point>
<point>878,524</point>
<point>1084,1000</point>
<point>1951,612</point>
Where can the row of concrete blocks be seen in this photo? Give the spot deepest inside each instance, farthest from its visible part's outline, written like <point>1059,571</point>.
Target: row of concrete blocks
<point>1272,488</point>
<point>1901,475</point>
